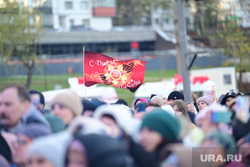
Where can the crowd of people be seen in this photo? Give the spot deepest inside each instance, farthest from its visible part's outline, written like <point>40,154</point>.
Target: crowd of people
<point>155,132</point>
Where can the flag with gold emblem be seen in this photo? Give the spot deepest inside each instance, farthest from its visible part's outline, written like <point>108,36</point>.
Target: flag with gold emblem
<point>99,68</point>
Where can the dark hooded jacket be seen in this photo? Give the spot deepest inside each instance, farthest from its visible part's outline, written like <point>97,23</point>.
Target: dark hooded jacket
<point>103,151</point>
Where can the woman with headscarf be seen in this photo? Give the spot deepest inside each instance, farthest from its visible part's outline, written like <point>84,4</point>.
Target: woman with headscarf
<point>191,108</point>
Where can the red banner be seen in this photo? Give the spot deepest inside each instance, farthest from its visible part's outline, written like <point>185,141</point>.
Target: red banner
<point>98,68</point>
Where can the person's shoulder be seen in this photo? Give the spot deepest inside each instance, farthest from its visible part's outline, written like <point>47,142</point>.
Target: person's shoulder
<point>191,114</point>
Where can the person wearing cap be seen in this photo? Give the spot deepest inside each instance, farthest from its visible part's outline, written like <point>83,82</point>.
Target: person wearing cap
<point>157,99</point>
<point>49,151</point>
<point>37,99</point>
<point>219,143</point>
<point>158,129</point>
<point>209,120</point>
<point>24,140</point>
<point>176,95</point>
<point>138,101</point>
<point>67,105</point>
<point>204,101</point>
<point>229,96</point>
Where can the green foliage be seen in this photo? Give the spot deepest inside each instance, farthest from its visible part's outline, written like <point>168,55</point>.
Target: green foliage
<point>234,35</point>
<point>138,12</point>
<point>19,31</point>
<point>206,15</point>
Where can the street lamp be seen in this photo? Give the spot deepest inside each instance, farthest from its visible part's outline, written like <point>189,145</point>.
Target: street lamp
<point>44,57</point>
<point>236,81</point>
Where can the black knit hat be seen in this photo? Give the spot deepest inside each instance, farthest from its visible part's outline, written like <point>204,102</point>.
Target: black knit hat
<point>176,95</point>
<point>40,94</point>
<point>121,101</point>
<point>227,95</point>
<point>5,149</point>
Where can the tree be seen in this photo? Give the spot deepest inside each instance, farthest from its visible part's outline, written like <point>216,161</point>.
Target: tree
<point>134,12</point>
<point>234,35</point>
<point>206,15</point>
<point>19,32</point>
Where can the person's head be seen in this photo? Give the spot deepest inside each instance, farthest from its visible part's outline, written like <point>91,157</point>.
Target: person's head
<point>67,105</point>
<point>39,160</point>
<point>194,98</point>
<point>89,107</point>
<point>204,101</point>
<point>165,101</point>
<point>25,138</point>
<point>219,143</point>
<point>180,108</point>
<point>151,106</point>
<point>157,99</point>
<point>191,107</point>
<point>77,154</point>
<point>86,125</point>
<point>228,97</point>
<point>37,99</point>
<point>116,117</point>
<point>157,129</point>
<point>48,151</point>
<point>14,102</point>
<point>239,94</point>
<point>204,119</point>
<point>121,101</point>
<point>138,101</point>
<point>94,150</point>
<point>175,95</point>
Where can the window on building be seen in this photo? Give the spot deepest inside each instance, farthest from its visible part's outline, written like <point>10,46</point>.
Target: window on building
<point>62,21</point>
<point>157,21</point>
<point>227,79</point>
<point>84,5</point>
<point>103,3</point>
<point>166,20</point>
<point>85,22</point>
<point>68,5</point>
<point>71,22</point>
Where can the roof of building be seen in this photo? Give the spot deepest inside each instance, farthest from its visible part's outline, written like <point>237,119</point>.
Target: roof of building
<point>97,36</point>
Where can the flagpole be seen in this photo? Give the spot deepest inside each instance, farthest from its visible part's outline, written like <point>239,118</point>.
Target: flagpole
<point>83,55</point>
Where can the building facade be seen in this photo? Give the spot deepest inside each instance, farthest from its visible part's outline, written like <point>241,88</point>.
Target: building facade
<point>83,14</point>
<point>165,18</point>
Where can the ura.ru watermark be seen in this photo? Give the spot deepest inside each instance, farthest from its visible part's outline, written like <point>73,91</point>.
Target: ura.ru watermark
<point>220,158</point>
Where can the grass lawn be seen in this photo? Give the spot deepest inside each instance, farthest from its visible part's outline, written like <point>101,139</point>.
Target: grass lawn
<point>39,81</point>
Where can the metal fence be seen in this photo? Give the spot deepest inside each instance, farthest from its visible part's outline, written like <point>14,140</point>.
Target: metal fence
<point>156,60</point>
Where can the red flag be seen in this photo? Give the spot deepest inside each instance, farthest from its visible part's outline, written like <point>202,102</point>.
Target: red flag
<point>99,68</point>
